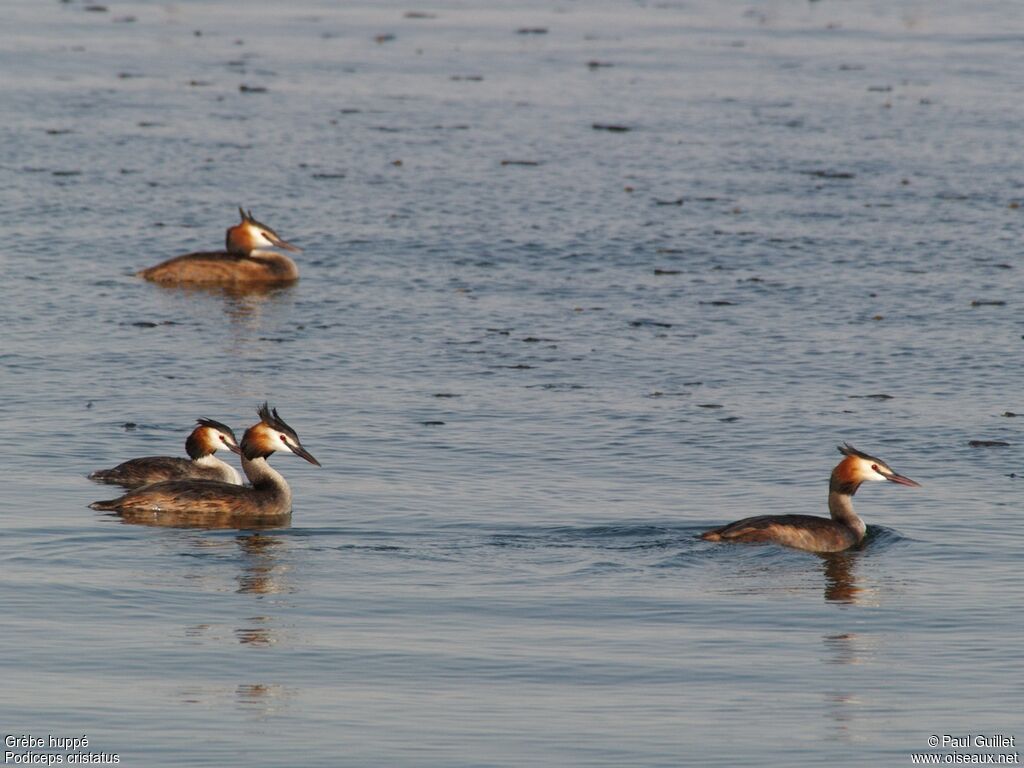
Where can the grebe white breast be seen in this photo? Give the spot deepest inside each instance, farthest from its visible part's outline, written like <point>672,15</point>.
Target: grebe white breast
<point>818,534</point>
<point>268,497</point>
<point>244,262</point>
<point>201,445</point>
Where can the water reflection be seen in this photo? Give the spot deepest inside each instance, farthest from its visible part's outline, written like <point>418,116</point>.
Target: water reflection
<point>258,699</point>
<point>262,571</point>
<point>839,569</point>
<point>246,296</point>
<point>263,699</point>
<point>244,305</point>
<point>845,649</point>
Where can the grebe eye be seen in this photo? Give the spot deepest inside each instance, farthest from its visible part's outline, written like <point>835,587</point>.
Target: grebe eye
<point>284,438</point>
<point>874,467</point>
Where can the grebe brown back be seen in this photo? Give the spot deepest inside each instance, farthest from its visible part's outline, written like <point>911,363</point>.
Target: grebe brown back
<point>269,496</point>
<point>818,534</point>
<point>242,263</point>
<point>201,445</point>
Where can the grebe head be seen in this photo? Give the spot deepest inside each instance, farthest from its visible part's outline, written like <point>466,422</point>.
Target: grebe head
<point>859,467</point>
<point>272,434</point>
<point>209,437</point>
<point>249,234</point>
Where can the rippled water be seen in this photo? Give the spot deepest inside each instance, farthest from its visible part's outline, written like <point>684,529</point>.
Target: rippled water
<point>535,358</point>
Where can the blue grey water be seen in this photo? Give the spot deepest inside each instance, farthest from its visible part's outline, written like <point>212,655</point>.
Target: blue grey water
<point>535,357</point>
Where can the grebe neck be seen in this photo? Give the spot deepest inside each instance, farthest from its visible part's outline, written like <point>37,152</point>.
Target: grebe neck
<point>267,480</point>
<point>213,462</point>
<point>840,505</point>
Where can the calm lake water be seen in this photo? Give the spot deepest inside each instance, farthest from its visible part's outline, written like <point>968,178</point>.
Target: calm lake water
<point>536,357</point>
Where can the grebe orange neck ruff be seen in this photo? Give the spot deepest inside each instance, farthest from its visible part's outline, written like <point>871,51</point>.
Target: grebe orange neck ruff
<point>818,534</point>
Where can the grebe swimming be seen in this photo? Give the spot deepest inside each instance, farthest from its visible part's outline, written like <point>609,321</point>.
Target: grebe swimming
<point>268,497</point>
<point>818,534</point>
<point>201,445</point>
<point>242,263</point>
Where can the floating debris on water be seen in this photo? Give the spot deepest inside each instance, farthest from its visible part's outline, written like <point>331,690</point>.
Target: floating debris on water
<point>827,174</point>
<point>612,127</point>
<point>988,443</point>
<point>649,323</point>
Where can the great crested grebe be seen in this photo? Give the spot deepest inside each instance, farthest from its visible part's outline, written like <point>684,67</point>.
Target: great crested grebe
<point>818,534</point>
<point>242,263</point>
<point>201,445</point>
<point>268,497</point>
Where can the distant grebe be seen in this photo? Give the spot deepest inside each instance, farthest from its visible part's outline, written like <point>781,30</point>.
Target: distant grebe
<point>818,534</point>
<point>269,495</point>
<point>242,263</point>
<point>201,445</point>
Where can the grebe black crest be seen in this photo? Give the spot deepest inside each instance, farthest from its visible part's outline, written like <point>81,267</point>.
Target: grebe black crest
<point>204,441</point>
<point>243,262</point>
<point>818,534</point>
<point>269,498</point>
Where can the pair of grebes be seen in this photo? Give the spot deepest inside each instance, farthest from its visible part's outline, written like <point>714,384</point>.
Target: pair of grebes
<point>205,484</point>
<point>168,486</point>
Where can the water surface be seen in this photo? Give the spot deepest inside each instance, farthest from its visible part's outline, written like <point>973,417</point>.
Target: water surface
<point>535,357</point>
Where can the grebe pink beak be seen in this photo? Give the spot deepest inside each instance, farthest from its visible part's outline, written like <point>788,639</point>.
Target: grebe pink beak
<point>279,243</point>
<point>235,449</point>
<point>899,479</point>
<point>298,450</point>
